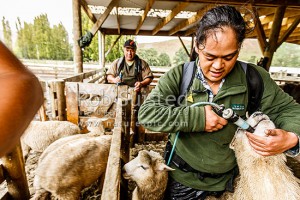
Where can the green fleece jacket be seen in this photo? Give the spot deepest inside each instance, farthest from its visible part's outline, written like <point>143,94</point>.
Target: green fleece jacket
<point>210,152</point>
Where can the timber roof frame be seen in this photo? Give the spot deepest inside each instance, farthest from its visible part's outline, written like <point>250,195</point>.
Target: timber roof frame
<point>111,22</point>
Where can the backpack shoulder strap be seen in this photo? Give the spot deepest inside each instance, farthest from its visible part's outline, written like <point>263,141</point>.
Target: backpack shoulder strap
<point>255,86</point>
<point>120,65</point>
<point>188,73</point>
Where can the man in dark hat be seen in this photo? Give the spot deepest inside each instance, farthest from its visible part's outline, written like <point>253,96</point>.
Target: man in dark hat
<point>130,69</point>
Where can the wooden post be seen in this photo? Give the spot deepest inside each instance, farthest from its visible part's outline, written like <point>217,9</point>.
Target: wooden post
<point>14,170</point>
<point>58,100</point>
<point>77,33</point>
<point>133,133</point>
<point>115,187</point>
<point>42,113</point>
<point>101,49</point>
<point>274,35</point>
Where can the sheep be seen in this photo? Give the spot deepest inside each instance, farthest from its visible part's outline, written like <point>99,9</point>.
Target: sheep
<point>262,177</point>
<point>95,125</point>
<point>40,134</point>
<point>69,165</point>
<point>150,174</point>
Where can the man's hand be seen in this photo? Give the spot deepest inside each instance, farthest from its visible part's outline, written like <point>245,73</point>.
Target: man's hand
<point>117,79</point>
<point>213,122</point>
<point>276,141</point>
<point>138,86</point>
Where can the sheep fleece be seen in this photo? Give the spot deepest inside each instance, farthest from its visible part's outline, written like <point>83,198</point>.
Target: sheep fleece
<point>71,166</point>
<point>262,177</point>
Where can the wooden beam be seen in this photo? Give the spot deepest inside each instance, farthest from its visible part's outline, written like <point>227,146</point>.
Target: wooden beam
<point>264,11</point>
<point>104,16</point>
<point>143,17</point>
<point>289,31</point>
<point>261,36</point>
<point>118,21</point>
<point>275,30</point>
<point>112,46</point>
<point>132,32</point>
<point>186,51</point>
<point>77,33</point>
<point>296,32</point>
<point>191,31</point>
<point>295,38</point>
<point>266,3</point>
<point>189,21</point>
<point>102,49</point>
<point>178,8</point>
<point>88,11</point>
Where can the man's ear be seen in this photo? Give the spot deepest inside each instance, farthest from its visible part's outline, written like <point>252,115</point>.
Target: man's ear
<point>195,47</point>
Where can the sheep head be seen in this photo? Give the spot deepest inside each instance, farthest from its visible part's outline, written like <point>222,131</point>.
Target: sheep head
<point>259,121</point>
<point>147,167</point>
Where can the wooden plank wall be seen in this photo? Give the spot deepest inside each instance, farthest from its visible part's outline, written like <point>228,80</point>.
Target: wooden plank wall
<point>57,91</point>
<point>115,187</point>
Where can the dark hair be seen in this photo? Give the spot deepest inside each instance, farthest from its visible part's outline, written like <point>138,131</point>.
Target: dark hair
<point>219,17</point>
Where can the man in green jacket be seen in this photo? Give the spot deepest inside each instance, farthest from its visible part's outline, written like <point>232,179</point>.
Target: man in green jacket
<point>204,163</point>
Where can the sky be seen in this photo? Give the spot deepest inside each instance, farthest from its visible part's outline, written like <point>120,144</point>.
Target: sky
<point>56,10</point>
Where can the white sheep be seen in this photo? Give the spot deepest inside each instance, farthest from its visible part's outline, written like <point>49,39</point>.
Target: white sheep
<point>150,173</point>
<point>95,125</point>
<point>40,134</point>
<point>262,177</point>
<point>70,164</point>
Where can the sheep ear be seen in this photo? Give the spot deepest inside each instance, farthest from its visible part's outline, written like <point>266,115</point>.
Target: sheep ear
<point>247,115</point>
<point>164,167</point>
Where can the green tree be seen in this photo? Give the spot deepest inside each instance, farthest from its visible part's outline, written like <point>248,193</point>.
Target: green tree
<point>90,53</point>
<point>60,47</point>
<point>25,44</point>
<point>7,33</point>
<point>287,55</point>
<point>42,37</point>
<point>180,57</point>
<point>150,56</point>
<point>117,50</point>
<point>164,60</point>
<point>40,41</point>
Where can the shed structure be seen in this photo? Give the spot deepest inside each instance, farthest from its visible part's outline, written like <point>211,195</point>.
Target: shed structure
<point>276,21</point>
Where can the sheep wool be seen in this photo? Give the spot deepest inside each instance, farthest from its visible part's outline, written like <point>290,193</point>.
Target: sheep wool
<point>262,177</point>
<point>150,173</point>
<point>40,134</point>
<point>70,164</point>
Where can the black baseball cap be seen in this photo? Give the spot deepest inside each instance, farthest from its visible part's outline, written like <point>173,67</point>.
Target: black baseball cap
<point>130,44</point>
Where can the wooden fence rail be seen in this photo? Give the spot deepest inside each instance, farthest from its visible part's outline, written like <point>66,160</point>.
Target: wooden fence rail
<point>115,187</point>
<point>13,172</point>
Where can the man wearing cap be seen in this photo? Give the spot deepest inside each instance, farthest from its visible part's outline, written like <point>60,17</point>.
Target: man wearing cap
<point>130,69</point>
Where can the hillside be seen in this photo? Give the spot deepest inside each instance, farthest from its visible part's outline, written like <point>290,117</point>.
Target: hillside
<point>250,48</point>
<point>170,47</point>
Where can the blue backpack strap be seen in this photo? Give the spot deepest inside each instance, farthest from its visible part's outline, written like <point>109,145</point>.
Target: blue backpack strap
<point>188,74</point>
<point>255,86</point>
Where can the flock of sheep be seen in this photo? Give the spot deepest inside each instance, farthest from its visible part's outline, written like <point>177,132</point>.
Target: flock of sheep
<point>71,161</point>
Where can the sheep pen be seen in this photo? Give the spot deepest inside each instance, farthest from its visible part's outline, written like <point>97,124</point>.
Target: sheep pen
<point>92,192</point>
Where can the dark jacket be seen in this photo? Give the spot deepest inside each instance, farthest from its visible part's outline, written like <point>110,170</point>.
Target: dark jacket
<point>210,152</point>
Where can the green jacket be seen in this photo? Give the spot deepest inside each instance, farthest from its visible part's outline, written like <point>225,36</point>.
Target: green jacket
<point>210,152</point>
